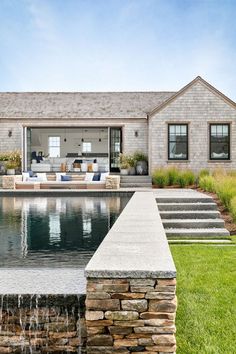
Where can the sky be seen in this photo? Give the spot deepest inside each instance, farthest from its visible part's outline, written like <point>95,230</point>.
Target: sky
<point>117,45</point>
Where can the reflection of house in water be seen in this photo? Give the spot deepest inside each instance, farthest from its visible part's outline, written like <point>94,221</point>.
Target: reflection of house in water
<point>54,224</point>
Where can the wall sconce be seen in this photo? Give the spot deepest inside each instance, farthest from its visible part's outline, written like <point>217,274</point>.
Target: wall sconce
<point>9,133</point>
<point>136,133</point>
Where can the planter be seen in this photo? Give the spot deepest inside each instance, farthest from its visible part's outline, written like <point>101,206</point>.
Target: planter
<point>132,171</point>
<point>142,168</point>
<point>11,171</point>
<point>124,171</point>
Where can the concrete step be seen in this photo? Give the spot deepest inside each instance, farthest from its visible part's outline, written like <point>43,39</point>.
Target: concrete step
<point>191,214</point>
<point>192,223</point>
<point>214,233</point>
<point>211,241</point>
<point>184,200</point>
<point>135,185</point>
<point>186,206</point>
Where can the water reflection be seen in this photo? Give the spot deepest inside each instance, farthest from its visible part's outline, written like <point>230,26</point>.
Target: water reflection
<point>49,231</point>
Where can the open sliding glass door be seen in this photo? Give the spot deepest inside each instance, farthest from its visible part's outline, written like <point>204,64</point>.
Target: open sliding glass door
<point>115,148</point>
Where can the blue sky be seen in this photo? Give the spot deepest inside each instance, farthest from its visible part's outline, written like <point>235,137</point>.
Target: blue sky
<point>116,45</point>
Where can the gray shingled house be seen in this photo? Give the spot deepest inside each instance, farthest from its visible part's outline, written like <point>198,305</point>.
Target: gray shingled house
<point>192,128</point>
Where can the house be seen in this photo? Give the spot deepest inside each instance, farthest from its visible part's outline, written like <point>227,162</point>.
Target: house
<point>193,128</point>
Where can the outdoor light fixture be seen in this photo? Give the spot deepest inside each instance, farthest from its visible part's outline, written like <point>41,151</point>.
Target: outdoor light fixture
<point>9,133</point>
<point>136,133</point>
<point>65,136</point>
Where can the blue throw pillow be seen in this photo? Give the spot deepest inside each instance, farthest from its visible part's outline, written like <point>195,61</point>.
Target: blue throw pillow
<point>96,176</point>
<point>31,173</point>
<point>65,178</point>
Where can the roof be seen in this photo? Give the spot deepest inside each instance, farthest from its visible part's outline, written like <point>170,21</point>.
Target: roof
<point>185,88</point>
<point>66,105</point>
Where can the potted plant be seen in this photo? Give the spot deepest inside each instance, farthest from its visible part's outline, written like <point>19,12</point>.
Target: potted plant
<point>11,167</point>
<point>132,163</point>
<point>3,160</point>
<point>124,165</point>
<point>141,163</point>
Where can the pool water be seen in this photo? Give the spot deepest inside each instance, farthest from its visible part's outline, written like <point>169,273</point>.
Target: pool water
<point>55,231</point>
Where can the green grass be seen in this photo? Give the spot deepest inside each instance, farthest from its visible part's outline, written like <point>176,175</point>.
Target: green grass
<point>206,290</point>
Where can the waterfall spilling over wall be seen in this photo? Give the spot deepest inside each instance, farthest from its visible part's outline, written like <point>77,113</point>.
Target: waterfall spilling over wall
<point>42,324</point>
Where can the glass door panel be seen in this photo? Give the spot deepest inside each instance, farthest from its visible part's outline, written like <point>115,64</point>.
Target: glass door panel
<point>115,148</point>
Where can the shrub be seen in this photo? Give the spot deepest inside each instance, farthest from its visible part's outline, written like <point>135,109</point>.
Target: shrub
<point>226,190</point>
<point>124,161</point>
<point>131,161</point>
<point>186,178</point>
<point>140,156</point>
<point>204,172</point>
<point>173,174</point>
<point>233,208</point>
<point>160,178</point>
<point>207,183</point>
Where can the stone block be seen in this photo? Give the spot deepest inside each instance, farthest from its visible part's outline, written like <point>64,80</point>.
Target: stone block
<point>159,322</point>
<point>91,331</point>
<point>98,295</point>
<point>100,340</point>
<point>134,305</point>
<point>94,315</point>
<point>161,348</point>
<point>155,330</point>
<point>145,341</point>
<point>165,282</point>
<point>142,282</point>
<point>159,295</point>
<point>127,296</point>
<point>161,315</point>
<point>141,289</point>
<point>120,330</point>
<point>121,315</point>
<point>99,323</point>
<point>163,305</point>
<point>164,340</point>
<point>106,304</point>
<point>137,323</point>
<point>125,342</point>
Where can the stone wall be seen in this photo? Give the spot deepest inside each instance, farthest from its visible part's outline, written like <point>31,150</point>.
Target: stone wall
<point>197,107</point>
<point>41,324</point>
<point>131,316</point>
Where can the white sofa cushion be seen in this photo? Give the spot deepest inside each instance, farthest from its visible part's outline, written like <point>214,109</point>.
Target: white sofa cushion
<point>103,176</point>
<point>89,176</point>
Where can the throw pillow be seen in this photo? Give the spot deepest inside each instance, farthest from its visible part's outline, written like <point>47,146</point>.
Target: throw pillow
<point>96,177</point>
<point>66,178</point>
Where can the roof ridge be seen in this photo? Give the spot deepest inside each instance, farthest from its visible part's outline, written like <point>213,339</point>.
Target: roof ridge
<point>81,92</point>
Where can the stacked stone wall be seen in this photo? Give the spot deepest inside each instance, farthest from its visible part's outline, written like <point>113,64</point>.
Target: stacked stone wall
<point>131,316</point>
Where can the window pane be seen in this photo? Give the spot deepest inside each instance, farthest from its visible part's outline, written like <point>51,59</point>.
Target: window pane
<point>178,142</point>
<point>87,146</point>
<point>54,143</point>
<point>219,142</point>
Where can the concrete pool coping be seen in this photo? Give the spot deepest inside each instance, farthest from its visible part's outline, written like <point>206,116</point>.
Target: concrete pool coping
<point>136,246</point>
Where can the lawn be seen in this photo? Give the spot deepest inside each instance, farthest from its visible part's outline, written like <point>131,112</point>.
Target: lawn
<point>206,290</point>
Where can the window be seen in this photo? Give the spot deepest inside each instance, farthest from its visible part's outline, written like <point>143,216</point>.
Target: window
<point>178,142</point>
<point>54,146</point>
<point>87,147</point>
<point>219,141</point>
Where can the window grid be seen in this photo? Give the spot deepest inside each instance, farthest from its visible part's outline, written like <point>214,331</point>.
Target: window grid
<point>219,141</point>
<point>178,141</point>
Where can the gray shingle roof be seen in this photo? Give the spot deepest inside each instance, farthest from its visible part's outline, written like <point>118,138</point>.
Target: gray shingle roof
<point>80,104</point>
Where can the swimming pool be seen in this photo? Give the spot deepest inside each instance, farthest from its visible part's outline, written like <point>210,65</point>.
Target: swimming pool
<point>54,231</point>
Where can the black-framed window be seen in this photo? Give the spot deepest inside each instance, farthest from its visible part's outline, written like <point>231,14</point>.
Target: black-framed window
<point>178,141</point>
<point>219,141</point>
